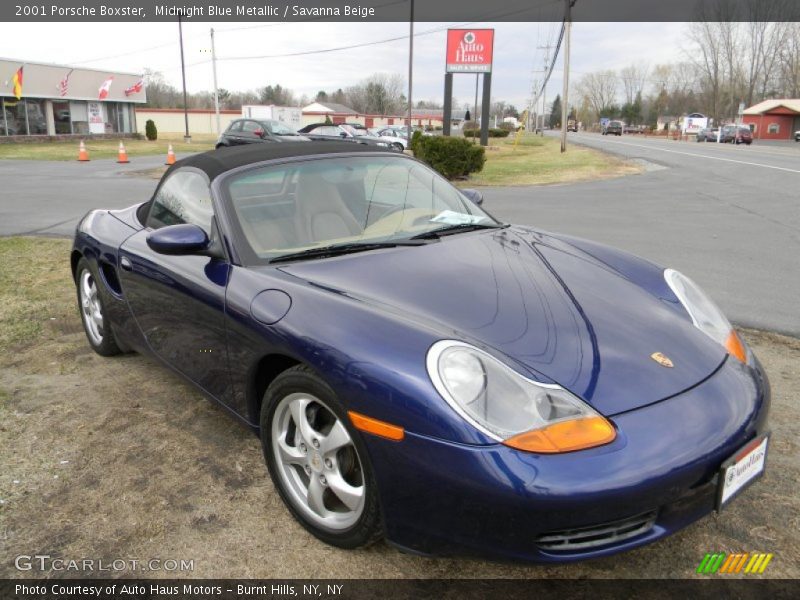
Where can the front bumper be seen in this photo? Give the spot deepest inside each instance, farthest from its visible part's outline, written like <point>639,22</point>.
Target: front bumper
<point>444,498</point>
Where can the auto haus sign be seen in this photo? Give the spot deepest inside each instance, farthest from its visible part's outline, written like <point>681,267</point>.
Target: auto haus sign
<point>469,50</point>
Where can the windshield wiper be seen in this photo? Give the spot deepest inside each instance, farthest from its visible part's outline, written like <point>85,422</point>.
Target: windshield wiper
<point>458,228</point>
<point>338,249</point>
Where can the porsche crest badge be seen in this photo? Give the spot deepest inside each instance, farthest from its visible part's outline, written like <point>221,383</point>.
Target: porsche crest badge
<point>661,359</point>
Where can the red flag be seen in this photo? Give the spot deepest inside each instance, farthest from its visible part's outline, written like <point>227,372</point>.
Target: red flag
<point>105,88</point>
<point>64,83</point>
<point>135,88</point>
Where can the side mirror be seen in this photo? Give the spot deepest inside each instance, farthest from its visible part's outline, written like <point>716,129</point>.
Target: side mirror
<point>474,195</point>
<point>178,239</point>
<point>343,134</point>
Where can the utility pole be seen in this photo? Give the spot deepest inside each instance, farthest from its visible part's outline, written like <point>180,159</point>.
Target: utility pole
<point>214,70</point>
<point>547,49</point>
<point>475,113</point>
<point>186,138</point>
<point>564,94</point>
<point>410,67</point>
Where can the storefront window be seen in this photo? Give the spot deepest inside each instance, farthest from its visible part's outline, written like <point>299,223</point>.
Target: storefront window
<point>61,116</point>
<point>79,117</point>
<point>13,117</point>
<point>37,122</point>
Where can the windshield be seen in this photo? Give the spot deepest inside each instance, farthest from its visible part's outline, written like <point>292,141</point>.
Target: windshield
<point>289,208</point>
<point>279,128</point>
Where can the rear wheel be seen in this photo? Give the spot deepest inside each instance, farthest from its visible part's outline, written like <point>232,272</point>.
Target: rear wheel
<point>318,464</point>
<point>93,312</point>
<point>398,146</point>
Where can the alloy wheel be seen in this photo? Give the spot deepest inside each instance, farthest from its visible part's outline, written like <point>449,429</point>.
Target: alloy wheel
<point>317,462</point>
<point>90,306</point>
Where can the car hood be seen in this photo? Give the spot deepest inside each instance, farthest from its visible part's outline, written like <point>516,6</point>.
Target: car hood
<point>562,314</point>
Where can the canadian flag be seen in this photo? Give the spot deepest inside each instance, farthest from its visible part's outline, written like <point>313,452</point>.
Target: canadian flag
<point>105,88</point>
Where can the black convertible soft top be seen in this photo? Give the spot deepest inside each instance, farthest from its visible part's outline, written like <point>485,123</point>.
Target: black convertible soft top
<point>217,162</point>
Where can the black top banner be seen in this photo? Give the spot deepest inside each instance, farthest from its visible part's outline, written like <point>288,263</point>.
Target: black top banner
<point>399,10</point>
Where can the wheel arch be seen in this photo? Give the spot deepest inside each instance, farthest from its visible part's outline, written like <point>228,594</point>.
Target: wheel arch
<point>262,375</point>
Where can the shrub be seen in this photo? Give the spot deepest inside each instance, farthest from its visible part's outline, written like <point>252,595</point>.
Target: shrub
<point>150,131</point>
<point>452,157</point>
<point>507,126</point>
<point>468,125</point>
<point>415,138</point>
<point>438,128</point>
<point>494,132</point>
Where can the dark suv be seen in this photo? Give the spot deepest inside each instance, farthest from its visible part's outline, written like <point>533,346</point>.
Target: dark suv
<point>250,131</point>
<point>736,135</point>
<point>613,128</point>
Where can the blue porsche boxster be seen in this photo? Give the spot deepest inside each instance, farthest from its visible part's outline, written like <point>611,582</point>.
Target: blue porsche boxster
<point>419,371</point>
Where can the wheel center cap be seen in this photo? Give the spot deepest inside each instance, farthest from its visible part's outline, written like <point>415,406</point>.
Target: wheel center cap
<point>316,462</point>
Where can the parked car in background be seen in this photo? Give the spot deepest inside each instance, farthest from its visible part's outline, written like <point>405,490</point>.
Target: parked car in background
<point>613,128</point>
<point>572,125</point>
<point>709,134</point>
<point>251,131</point>
<point>736,134</point>
<point>797,136</point>
<point>395,136</point>
<point>343,132</point>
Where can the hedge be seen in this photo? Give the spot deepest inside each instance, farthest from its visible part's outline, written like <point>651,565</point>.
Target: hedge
<point>450,156</point>
<point>494,132</point>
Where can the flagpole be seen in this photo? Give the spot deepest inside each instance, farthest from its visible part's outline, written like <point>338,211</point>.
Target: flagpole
<point>410,70</point>
<point>214,70</point>
<point>186,138</point>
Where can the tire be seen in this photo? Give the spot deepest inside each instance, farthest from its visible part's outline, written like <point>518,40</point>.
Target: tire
<point>398,146</point>
<point>92,309</point>
<point>296,460</point>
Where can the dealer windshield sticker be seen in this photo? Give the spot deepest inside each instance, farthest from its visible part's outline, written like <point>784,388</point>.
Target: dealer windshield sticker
<point>449,217</point>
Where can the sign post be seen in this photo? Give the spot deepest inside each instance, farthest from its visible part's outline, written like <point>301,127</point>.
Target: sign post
<point>469,51</point>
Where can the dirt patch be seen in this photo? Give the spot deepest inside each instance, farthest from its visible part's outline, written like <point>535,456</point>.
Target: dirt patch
<point>118,458</point>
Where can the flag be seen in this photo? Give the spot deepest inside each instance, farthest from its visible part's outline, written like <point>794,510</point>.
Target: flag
<point>135,88</point>
<point>18,83</point>
<point>104,89</point>
<point>64,83</point>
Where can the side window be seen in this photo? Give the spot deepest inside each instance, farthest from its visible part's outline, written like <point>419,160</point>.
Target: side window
<point>235,126</point>
<point>251,126</point>
<point>184,198</point>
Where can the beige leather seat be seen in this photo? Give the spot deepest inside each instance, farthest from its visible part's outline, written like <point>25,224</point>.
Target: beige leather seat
<point>266,235</point>
<point>321,214</point>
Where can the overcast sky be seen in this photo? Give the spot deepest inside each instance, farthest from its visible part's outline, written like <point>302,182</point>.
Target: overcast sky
<point>133,47</point>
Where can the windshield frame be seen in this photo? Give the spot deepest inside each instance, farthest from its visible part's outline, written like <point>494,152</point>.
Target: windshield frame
<point>239,248</point>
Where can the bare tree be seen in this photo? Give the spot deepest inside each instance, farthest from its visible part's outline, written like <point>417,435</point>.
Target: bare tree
<point>789,85</point>
<point>633,80</point>
<point>600,90</point>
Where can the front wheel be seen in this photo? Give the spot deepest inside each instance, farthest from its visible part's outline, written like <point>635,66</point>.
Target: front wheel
<point>93,313</point>
<point>318,464</point>
<point>398,146</point>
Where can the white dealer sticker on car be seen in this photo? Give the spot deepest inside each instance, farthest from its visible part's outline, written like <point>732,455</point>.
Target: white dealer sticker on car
<point>449,217</point>
<point>746,466</point>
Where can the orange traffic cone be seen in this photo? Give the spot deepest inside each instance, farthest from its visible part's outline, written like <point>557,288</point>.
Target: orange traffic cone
<point>83,154</point>
<point>170,156</point>
<point>122,155</point>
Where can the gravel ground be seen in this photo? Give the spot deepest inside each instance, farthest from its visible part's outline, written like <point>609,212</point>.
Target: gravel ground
<point>118,458</point>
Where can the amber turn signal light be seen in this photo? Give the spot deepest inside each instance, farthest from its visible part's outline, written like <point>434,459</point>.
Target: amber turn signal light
<point>735,347</point>
<point>565,436</point>
<point>376,427</point>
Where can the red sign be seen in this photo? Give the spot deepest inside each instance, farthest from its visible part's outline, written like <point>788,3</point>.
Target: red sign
<point>469,50</point>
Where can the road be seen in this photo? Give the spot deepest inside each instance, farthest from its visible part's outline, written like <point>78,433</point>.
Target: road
<point>728,216</point>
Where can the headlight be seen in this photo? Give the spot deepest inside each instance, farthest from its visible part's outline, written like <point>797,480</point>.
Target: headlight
<point>705,315</point>
<point>510,408</point>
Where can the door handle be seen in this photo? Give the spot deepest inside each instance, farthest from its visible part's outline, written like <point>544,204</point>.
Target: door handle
<point>125,263</point>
